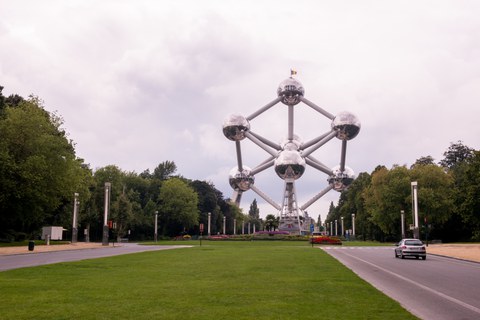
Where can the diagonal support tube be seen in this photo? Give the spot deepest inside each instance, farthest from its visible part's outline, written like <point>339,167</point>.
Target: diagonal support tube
<point>316,197</point>
<point>317,139</point>
<point>329,137</point>
<point>263,166</point>
<point>261,144</point>
<point>269,143</point>
<point>265,197</point>
<point>236,197</point>
<point>318,166</point>
<point>317,108</point>
<point>263,109</point>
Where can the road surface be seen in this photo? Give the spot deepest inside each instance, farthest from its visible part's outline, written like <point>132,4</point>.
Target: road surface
<point>8,262</point>
<point>437,288</point>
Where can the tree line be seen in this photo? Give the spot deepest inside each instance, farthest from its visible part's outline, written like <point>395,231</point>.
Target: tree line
<point>40,173</point>
<point>448,198</point>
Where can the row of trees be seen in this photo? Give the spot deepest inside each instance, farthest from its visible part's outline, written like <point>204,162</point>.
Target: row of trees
<point>448,198</point>
<point>40,172</point>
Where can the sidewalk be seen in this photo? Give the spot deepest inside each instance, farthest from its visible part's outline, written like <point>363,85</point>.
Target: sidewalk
<point>57,247</point>
<point>464,251</point>
<point>460,251</point>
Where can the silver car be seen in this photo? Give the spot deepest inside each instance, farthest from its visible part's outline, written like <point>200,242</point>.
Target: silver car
<point>410,248</point>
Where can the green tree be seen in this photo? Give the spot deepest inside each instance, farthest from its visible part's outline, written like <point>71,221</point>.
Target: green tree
<point>208,202</point>
<point>467,191</point>
<point>387,194</point>
<point>424,161</point>
<point>271,222</point>
<point>122,214</point>
<point>456,154</point>
<point>178,206</point>
<point>164,170</point>
<point>254,215</point>
<point>435,193</point>
<point>39,172</point>
<point>354,203</point>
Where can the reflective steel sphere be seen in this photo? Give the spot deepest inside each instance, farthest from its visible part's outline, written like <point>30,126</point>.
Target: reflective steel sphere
<point>293,144</point>
<point>289,165</point>
<point>341,180</point>
<point>241,180</point>
<point>235,126</point>
<point>346,125</point>
<point>290,90</point>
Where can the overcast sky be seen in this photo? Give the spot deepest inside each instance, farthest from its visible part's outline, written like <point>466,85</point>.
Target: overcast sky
<point>142,82</point>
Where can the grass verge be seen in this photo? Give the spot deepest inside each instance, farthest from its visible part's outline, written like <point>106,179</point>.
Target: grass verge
<point>220,280</point>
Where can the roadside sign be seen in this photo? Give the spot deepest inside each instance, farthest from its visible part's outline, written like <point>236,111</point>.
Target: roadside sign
<point>312,227</point>
<point>201,227</point>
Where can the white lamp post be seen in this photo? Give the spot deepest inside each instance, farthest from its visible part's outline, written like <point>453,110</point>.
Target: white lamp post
<point>209,222</point>
<point>156,227</point>
<point>108,186</point>
<point>402,222</point>
<point>343,230</point>
<point>353,224</point>
<point>74,220</point>
<point>415,209</point>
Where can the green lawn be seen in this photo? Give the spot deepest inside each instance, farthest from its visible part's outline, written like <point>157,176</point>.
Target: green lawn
<point>220,280</point>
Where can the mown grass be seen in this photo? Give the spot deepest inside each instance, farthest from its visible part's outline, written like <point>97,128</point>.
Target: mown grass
<point>220,280</point>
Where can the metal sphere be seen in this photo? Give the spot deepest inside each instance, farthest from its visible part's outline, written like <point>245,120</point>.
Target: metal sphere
<point>290,165</point>
<point>235,126</point>
<point>341,180</point>
<point>346,125</point>
<point>293,144</point>
<point>241,180</point>
<point>290,90</point>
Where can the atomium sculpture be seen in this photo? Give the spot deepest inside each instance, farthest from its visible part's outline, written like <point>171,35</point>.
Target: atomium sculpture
<point>290,158</point>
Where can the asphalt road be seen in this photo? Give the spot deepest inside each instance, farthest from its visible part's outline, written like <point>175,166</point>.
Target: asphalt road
<point>437,288</point>
<point>9,262</point>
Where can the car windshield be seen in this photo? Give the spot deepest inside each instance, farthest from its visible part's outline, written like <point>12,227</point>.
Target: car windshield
<point>413,243</point>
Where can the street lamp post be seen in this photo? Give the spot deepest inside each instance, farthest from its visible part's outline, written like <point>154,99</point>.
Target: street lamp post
<point>224,225</point>
<point>155,236</point>
<point>234,226</point>
<point>402,222</point>
<point>74,220</point>
<point>336,227</point>
<point>343,230</point>
<point>108,186</point>
<point>353,224</point>
<point>209,222</point>
<point>416,233</point>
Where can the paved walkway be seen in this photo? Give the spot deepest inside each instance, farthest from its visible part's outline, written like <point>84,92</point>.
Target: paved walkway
<point>21,257</point>
<point>460,251</point>
<point>59,247</point>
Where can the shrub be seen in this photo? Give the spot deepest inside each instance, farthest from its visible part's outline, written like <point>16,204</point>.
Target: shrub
<point>326,240</point>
